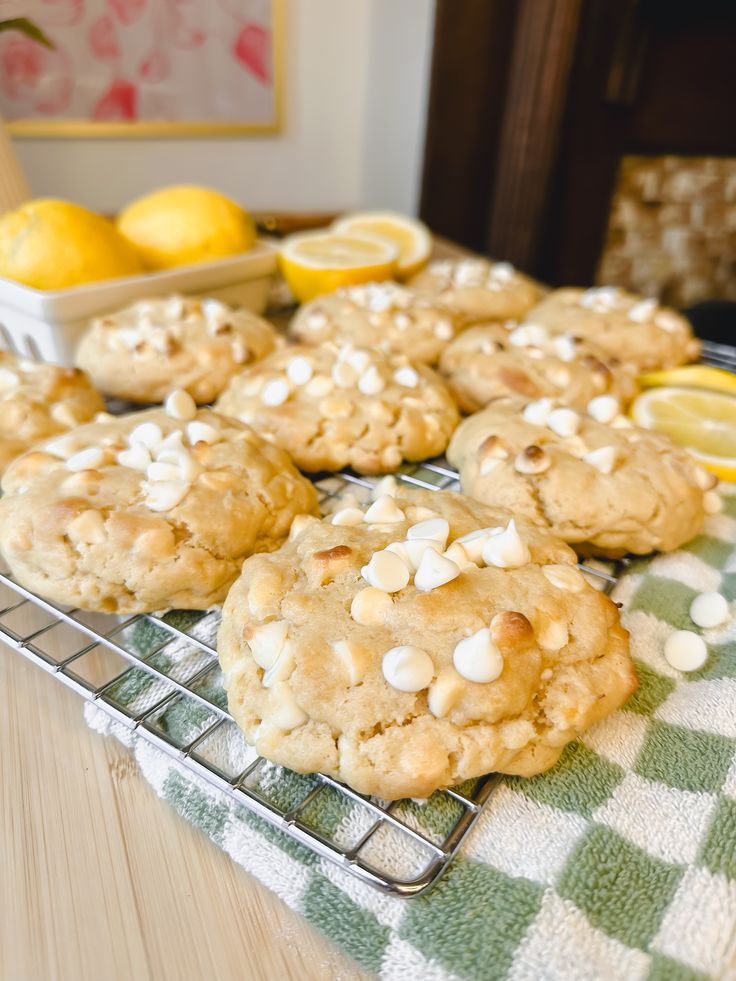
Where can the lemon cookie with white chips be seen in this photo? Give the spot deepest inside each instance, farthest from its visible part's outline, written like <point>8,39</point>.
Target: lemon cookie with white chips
<point>597,481</point>
<point>147,511</point>
<point>477,289</point>
<point>490,361</point>
<point>153,347</point>
<point>335,407</point>
<point>417,643</point>
<point>642,331</point>
<point>40,400</point>
<point>380,316</point>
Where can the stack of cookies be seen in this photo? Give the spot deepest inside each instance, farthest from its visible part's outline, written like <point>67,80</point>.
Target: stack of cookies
<point>400,644</point>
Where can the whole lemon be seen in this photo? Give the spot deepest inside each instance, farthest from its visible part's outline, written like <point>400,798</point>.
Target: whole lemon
<point>52,245</point>
<point>183,224</point>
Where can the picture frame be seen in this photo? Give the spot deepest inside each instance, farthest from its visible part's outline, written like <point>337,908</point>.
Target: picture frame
<point>264,71</point>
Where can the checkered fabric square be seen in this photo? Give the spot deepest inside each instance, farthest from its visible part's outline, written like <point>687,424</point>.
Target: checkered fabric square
<point>620,863</point>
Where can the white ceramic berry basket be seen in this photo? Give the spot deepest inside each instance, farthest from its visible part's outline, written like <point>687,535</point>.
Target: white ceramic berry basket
<point>50,323</point>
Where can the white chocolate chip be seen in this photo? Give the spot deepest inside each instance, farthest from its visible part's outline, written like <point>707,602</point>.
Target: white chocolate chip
<point>136,457</point>
<point>565,347</point>
<point>703,478</point>
<point>434,571</point>
<point>603,459</point>
<point>359,360</point>
<point>712,502</point>
<point>287,715</point>
<point>173,442</point>
<point>148,433</point>
<point>320,386</point>
<point>406,376</point>
<point>354,659</point>
<point>88,459</point>
<point>386,571</point>
<point>163,495</point>
<point>370,606</point>
<point>316,321</point>
<point>477,658</point>
<point>370,382</point>
<point>643,311</point>
<point>457,554</point>
<point>414,513</point>
<point>388,485</point>
<point>506,550</point>
<point>180,405</point>
<point>8,378</point>
<point>475,541</point>
<point>411,552</point>
<point>64,414</point>
<point>553,634</point>
<point>275,392</point>
<point>445,692</point>
<point>436,529</point>
<point>564,422</point>
<point>267,641</point>
<point>299,370</point>
<point>202,432</point>
<point>443,330</point>
<point>407,668</point>
<point>564,577</point>
<point>488,464</point>
<point>538,412</point>
<point>384,510</point>
<point>709,610</point>
<point>527,334</point>
<point>348,517</point>
<point>558,376</point>
<point>344,375</point>
<point>685,650</point>
<point>281,668</point>
<point>162,471</point>
<point>621,422</point>
<point>604,408</point>
<point>532,460</point>
<point>63,446</point>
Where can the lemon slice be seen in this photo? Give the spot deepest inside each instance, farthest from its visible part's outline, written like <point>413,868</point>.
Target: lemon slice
<point>412,238</point>
<point>693,376</point>
<point>320,262</point>
<point>702,421</point>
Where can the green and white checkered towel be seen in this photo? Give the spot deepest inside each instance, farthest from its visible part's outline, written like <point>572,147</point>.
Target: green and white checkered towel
<point>620,863</point>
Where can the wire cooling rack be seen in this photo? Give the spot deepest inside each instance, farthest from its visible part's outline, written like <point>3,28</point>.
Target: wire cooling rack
<point>146,671</point>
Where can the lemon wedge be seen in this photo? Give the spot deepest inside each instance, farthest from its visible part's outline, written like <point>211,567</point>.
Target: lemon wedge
<point>411,237</point>
<point>320,262</point>
<point>702,421</point>
<point>693,376</point>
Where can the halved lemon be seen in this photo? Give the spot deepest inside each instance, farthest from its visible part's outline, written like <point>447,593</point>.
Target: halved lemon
<point>702,421</point>
<point>692,376</point>
<point>412,238</point>
<point>320,262</point>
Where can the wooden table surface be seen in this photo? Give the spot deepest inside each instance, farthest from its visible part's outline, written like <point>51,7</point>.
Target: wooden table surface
<point>99,879</point>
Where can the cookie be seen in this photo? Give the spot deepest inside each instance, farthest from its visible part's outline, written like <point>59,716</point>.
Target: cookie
<point>380,316</point>
<point>646,334</point>
<point>487,362</point>
<point>598,482</point>
<point>421,642</point>
<point>40,400</point>
<point>477,289</point>
<point>147,511</point>
<point>333,407</point>
<point>153,347</point>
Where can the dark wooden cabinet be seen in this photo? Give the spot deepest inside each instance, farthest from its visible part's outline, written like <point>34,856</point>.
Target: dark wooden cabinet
<point>534,103</point>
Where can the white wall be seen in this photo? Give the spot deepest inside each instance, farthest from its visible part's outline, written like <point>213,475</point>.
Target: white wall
<point>354,107</point>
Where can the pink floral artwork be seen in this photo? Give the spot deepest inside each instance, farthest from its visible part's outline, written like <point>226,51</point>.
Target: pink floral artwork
<point>127,61</point>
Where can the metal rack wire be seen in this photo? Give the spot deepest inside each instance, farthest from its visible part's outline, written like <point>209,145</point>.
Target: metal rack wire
<point>147,671</point>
